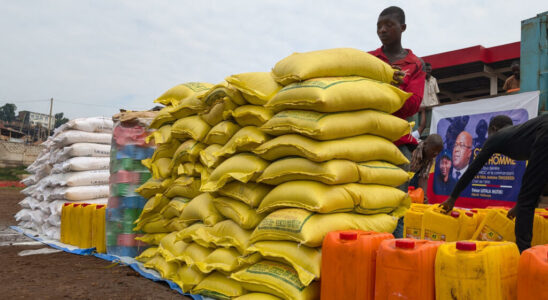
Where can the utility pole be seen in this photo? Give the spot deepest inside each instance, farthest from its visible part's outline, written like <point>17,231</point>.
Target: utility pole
<point>49,121</point>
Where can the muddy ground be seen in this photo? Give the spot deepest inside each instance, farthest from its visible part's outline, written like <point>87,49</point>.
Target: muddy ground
<point>63,275</point>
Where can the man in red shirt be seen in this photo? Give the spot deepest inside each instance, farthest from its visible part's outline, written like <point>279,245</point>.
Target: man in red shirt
<point>390,26</point>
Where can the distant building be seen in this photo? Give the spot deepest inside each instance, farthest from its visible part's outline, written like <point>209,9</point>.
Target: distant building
<point>34,119</point>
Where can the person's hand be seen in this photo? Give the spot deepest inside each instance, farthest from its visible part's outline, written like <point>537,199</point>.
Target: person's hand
<point>512,213</point>
<point>448,205</point>
<point>397,79</point>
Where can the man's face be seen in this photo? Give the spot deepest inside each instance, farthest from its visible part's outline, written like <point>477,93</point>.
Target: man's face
<point>445,166</point>
<point>462,150</point>
<point>389,29</point>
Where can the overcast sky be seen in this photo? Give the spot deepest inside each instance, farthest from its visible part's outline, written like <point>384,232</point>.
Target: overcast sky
<point>95,57</point>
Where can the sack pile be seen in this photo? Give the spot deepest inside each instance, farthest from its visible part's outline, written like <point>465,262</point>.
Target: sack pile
<point>73,167</point>
<point>267,164</point>
<point>129,147</point>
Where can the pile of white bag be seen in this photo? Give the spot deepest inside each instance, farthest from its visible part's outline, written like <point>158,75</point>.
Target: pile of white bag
<point>73,167</point>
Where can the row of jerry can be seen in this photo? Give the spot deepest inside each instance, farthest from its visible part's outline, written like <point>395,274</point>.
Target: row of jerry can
<point>83,226</point>
<point>429,222</point>
<point>369,265</point>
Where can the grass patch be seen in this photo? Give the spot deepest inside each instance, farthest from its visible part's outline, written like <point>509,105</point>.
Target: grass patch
<point>11,174</point>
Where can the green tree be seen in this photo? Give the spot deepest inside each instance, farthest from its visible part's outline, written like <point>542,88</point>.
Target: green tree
<point>7,112</point>
<point>60,119</point>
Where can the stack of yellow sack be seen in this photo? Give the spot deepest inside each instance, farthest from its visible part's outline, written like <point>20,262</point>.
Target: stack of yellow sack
<point>332,165</point>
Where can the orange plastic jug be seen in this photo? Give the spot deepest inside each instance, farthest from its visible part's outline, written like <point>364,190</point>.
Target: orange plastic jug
<point>416,194</point>
<point>98,229</point>
<point>533,273</point>
<point>476,270</point>
<point>65,219</point>
<point>348,264</point>
<point>405,269</point>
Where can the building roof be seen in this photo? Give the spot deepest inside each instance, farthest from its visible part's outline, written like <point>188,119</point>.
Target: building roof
<point>472,72</point>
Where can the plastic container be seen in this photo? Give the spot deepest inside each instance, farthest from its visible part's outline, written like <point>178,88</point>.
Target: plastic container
<point>533,273</point>
<point>98,233</point>
<point>416,194</point>
<point>65,222</point>
<point>412,221</point>
<point>540,229</point>
<point>75,216</point>
<point>468,225</point>
<point>496,226</point>
<point>85,226</point>
<point>480,213</point>
<point>476,270</point>
<point>348,264</point>
<point>405,269</point>
<point>437,226</point>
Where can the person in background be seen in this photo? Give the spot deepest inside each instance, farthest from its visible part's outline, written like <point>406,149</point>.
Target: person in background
<point>430,97</point>
<point>462,152</point>
<point>444,183</point>
<point>527,141</point>
<point>410,78</point>
<point>421,161</point>
<point>512,83</point>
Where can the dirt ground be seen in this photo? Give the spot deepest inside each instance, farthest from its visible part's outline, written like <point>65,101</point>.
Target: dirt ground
<point>63,275</point>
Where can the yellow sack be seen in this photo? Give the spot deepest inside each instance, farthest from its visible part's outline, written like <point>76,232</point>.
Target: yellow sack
<point>163,117</point>
<point>165,150</point>
<point>176,224</point>
<point>261,86</point>
<point>166,269</point>
<point>188,277</point>
<point>257,296</point>
<point>184,186</point>
<point>358,148</point>
<point>330,126</point>
<point>152,207</point>
<point>194,253</point>
<point>221,133</point>
<point>239,212</point>
<point>278,279</point>
<point>150,188</point>
<point>160,168</point>
<point>221,259</point>
<point>218,111</point>
<point>380,172</point>
<point>188,233</point>
<point>297,168</point>
<point>305,260</point>
<point>147,255</point>
<point>219,286</point>
<point>153,225</point>
<point>308,228</point>
<point>187,107</point>
<point>208,157</point>
<point>228,234</point>
<point>252,115</point>
<point>171,249</point>
<point>250,193</point>
<point>191,169</point>
<point>160,136</point>
<point>242,167</point>
<point>331,62</point>
<point>221,91</point>
<point>246,139</point>
<point>201,208</point>
<point>319,197</point>
<point>151,238</point>
<point>179,92</point>
<point>174,208</point>
<point>189,151</point>
<point>337,94</point>
<point>192,127</point>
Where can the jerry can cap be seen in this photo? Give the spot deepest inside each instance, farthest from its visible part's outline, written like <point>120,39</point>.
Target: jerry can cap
<point>99,206</point>
<point>348,235</point>
<point>469,213</point>
<point>455,214</point>
<point>405,244</point>
<point>545,216</point>
<point>410,188</point>
<point>466,246</point>
<point>474,211</point>
<point>66,204</point>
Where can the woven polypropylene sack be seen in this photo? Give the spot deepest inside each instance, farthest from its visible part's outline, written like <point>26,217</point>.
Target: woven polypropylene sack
<point>261,86</point>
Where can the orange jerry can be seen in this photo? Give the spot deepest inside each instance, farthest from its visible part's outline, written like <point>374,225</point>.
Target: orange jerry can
<point>405,269</point>
<point>416,194</point>
<point>533,273</point>
<point>348,264</point>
